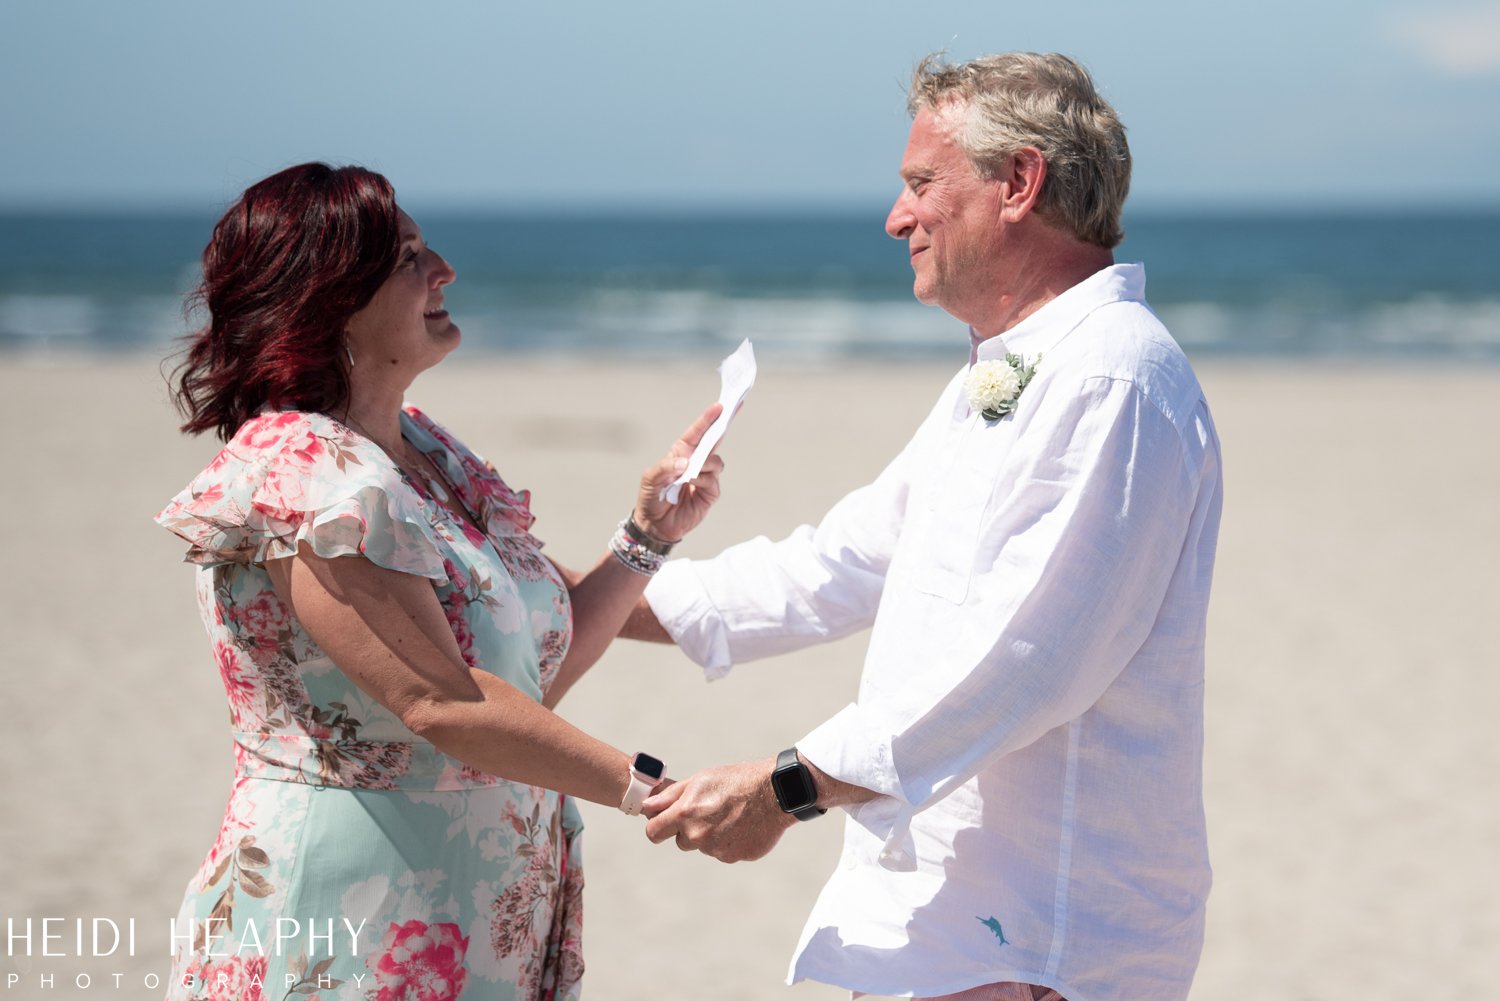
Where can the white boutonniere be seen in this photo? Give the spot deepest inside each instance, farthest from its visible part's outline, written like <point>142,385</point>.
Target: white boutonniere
<point>993,387</point>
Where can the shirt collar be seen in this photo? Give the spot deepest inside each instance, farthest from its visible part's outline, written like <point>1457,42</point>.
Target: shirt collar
<point>1039,332</point>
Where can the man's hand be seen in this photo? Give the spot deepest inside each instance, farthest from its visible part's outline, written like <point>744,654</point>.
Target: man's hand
<point>728,813</point>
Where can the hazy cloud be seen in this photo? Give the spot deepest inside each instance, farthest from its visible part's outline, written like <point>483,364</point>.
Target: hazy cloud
<point>1459,41</point>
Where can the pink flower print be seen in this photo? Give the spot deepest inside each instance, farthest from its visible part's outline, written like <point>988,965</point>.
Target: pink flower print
<point>235,979</point>
<point>282,682</point>
<point>267,430</point>
<point>453,609</point>
<point>495,500</point>
<point>284,493</point>
<point>474,535</point>
<point>514,911</point>
<point>421,962</point>
<point>521,558</point>
<point>518,507</point>
<point>225,455</point>
<point>474,776</point>
<point>512,507</point>
<point>212,495</point>
<point>238,818</point>
<point>240,690</point>
<point>554,649</point>
<point>514,925</point>
<point>455,575</point>
<point>568,925</point>
<point>193,969</point>
<point>432,427</point>
<point>307,453</point>
<point>457,775</point>
<point>261,620</point>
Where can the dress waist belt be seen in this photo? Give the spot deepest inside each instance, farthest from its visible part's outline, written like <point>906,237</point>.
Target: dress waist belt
<point>355,764</point>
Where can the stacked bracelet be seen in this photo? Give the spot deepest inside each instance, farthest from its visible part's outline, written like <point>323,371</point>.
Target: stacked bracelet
<point>639,551</point>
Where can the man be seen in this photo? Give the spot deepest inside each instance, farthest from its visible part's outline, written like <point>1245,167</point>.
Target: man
<point>1022,769</point>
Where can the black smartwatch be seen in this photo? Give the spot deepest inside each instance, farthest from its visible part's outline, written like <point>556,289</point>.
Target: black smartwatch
<point>793,785</point>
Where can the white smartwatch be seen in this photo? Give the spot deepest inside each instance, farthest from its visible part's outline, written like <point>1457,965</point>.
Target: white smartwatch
<point>645,772</point>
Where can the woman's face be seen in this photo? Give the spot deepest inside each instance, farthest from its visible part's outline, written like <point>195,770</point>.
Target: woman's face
<point>405,329</point>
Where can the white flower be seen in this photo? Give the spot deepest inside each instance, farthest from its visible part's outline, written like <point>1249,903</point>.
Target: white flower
<point>994,386</point>
<point>991,385</point>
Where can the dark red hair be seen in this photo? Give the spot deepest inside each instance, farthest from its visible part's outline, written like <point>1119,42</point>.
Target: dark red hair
<point>291,261</point>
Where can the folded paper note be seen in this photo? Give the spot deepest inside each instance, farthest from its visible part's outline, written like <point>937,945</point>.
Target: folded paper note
<point>736,376</point>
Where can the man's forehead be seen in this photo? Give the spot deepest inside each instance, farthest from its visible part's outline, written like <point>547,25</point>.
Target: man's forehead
<point>931,144</point>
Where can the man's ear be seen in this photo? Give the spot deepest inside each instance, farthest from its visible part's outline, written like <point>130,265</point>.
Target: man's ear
<point>1022,183</point>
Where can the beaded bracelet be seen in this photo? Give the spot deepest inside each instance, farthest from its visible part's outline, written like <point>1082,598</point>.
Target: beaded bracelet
<point>640,552</point>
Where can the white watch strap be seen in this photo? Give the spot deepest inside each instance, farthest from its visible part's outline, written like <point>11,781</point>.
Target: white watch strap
<point>635,796</point>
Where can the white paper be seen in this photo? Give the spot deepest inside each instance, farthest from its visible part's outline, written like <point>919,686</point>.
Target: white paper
<point>736,376</point>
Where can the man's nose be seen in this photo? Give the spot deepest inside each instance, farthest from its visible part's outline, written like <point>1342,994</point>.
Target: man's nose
<point>901,221</point>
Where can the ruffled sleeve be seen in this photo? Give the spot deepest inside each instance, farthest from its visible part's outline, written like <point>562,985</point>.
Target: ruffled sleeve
<point>289,478</point>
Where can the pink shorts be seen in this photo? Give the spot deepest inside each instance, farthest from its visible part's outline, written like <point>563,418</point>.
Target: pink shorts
<point>995,992</point>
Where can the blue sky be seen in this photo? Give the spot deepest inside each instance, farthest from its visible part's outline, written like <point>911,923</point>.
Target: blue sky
<point>1382,104</point>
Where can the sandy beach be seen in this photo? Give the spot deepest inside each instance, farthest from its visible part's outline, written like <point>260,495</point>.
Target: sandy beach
<point>1352,676</point>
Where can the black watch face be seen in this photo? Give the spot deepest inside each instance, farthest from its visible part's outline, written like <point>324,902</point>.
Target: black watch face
<point>794,789</point>
<point>648,766</point>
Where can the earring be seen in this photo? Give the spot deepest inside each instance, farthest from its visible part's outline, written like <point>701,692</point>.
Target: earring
<point>350,352</point>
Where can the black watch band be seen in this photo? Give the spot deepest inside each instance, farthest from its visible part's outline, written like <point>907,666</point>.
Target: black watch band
<point>792,783</point>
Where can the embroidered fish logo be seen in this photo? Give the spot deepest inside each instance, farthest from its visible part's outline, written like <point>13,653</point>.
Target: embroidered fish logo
<point>994,926</point>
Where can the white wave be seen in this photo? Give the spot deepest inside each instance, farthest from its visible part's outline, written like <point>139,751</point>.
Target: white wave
<point>806,325</point>
<point>46,316</point>
<point>1437,321</point>
<point>156,317</point>
<point>1194,323</point>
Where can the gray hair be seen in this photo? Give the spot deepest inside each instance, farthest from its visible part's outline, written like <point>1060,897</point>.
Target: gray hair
<point>1005,102</point>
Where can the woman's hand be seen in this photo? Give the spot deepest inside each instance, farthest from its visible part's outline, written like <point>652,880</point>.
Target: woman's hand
<point>670,522</point>
<point>604,597</point>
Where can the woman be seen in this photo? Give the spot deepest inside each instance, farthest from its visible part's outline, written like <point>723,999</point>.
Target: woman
<point>390,638</point>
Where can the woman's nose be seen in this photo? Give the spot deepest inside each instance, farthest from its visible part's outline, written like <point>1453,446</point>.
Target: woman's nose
<point>443,274</point>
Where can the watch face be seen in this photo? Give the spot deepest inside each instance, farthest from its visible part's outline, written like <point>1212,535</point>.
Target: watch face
<point>648,766</point>
<point>794,788</point>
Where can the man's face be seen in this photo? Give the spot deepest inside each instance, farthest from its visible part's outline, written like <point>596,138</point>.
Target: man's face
<point>950,218</point>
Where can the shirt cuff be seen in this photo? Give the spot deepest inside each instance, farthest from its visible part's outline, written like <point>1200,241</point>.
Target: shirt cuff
<point>681,604</point>
<point>843,748</point>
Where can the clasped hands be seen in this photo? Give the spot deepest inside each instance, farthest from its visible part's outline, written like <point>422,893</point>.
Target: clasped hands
<point>728,813</point>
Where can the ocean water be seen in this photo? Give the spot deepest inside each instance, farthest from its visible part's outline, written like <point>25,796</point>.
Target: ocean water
<point>807,286</point>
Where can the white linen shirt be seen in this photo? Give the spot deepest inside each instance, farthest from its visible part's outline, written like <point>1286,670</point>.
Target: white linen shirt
<point>1031,708</point>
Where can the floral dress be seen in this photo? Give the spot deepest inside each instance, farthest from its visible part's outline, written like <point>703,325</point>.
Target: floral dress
<point>355,860</point>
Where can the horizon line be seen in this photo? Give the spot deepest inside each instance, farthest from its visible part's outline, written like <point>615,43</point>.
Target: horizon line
<point>763,209</point>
